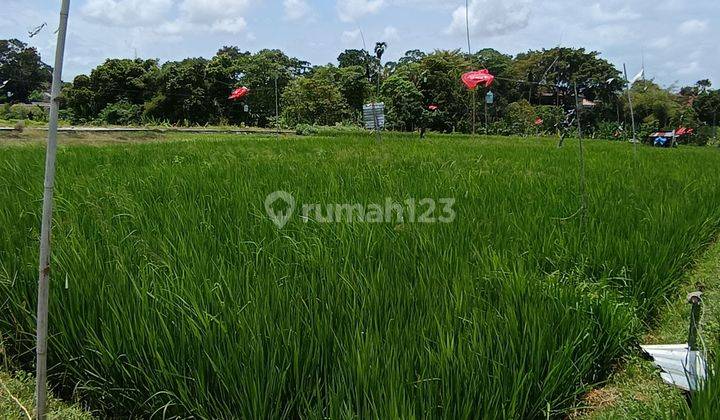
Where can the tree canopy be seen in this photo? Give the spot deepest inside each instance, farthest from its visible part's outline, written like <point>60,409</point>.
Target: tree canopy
<point>537,84</point>
<point>22,69</point>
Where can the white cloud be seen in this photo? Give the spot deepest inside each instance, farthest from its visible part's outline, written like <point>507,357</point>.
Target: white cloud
<point>296,9</point>
<point>692,26</point>
<point>390,33</point>
<point>230,25</point>
<point>350,37</point>
<point>171,17</point>
<point>661,43</point>
<point>622,14</point>
<point>350,10</point>
<point>491,17</point>
<point>212,11</point>
<point>126,12</point>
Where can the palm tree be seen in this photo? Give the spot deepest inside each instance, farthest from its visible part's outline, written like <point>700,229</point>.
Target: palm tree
<point>380,49</point>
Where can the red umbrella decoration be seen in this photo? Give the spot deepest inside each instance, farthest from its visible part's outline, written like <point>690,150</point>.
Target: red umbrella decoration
<point>480,77</point>
<point>239,93</point>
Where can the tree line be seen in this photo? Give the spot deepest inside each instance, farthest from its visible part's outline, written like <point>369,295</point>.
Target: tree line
<point>532,91</point>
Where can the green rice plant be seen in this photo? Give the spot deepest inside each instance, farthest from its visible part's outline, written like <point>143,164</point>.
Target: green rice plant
<point>173,294</point>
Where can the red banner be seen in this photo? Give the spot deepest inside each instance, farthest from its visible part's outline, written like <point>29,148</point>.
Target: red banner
<point>480,77</point>
<point>239,93</point>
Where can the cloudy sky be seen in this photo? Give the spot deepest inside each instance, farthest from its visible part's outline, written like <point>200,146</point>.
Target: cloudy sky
<point>677,38</point>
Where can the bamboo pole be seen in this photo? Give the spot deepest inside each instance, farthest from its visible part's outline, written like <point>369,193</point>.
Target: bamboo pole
<point>277,109</point>
<point>632,113</point>
<point>474,103</point>
<point>583,193</point>
<point>46,228</point>
<point>486,115</point>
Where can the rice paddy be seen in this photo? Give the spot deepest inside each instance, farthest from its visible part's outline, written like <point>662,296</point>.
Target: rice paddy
<point>173,293</point>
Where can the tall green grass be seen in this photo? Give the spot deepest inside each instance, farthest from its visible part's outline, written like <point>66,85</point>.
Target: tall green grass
<point>173,294</point>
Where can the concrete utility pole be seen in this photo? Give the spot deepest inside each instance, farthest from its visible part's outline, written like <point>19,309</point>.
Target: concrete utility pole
<point>46,228</point>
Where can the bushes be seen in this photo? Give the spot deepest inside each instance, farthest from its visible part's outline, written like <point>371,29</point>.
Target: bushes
<point>313,100</point>
<point>23,112</point>
<point>121,113</point>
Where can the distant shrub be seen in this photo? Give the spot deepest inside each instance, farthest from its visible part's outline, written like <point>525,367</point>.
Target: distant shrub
<point>551,116</point>
<point>18,112</point>
<point>305,130</point>
<point>4,111</point>
<point>611,131</point>
<point>520,118</point>
<point>121,113</point>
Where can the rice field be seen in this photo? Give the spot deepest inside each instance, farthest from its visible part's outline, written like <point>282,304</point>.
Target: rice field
<point>174,294</point>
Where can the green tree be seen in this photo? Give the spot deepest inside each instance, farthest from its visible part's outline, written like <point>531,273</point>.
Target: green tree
<point>561,69</point>
<point>707,107</point>
<point>352,57</point>
<point>182,95</point>
<point>259,73</point>
<point>438,79</point>
<point>313,100</point>
<point>22,69</point>
<point>656,107</point>
<point>404,103</point>
<point>116,80</point>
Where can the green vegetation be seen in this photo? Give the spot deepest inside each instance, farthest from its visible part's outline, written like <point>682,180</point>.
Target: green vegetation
<point>23,70</point>
<point>173,293</point>
<point>16,400</point>
<point>194,91</point>
<point>636,390</point>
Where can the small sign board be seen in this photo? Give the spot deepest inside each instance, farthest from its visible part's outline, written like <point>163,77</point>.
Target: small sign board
<point>489,98</point>
<point>371,112</point>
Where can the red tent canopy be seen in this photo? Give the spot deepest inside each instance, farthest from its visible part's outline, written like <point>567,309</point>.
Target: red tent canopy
<point>480,77</point>
<point>239,93</point>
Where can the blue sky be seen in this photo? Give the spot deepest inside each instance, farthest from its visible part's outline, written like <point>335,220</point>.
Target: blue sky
<point>678,39</point>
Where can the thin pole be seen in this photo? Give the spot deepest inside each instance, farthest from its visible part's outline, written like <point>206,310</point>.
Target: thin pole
<point>583,195</point>
<point>46,228</point>
<point>377,120</point>
<point>577,111</point>
<point>467,25</point>
<point>632,113</point>
<point>474,103</point>
<point>277,109</point>
<point>467,32</point>
<point>486,115</point>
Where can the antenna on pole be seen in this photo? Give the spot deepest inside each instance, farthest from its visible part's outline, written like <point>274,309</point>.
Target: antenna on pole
<point>44,269</point>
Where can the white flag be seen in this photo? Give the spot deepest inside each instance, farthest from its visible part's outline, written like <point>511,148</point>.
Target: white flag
<point>638,76</point>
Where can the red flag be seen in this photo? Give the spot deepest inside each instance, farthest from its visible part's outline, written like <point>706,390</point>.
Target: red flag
<point>474,78</point>
<point>239,93</point>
